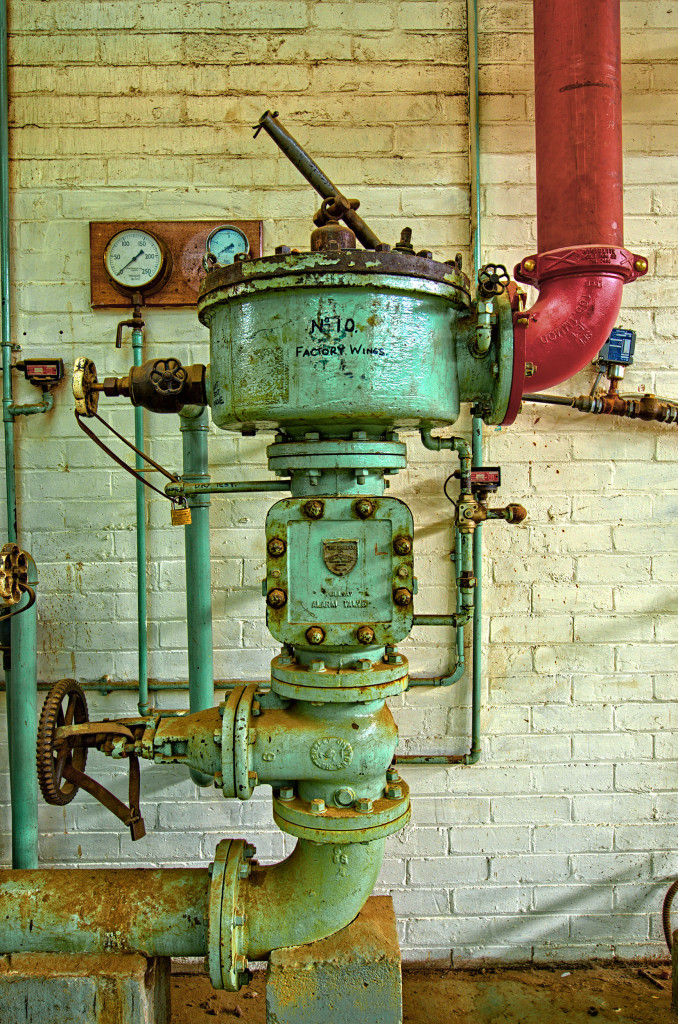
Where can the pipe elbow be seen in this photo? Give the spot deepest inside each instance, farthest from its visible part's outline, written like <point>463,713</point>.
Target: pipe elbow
<point>326,884</point>
<point>580,293</point>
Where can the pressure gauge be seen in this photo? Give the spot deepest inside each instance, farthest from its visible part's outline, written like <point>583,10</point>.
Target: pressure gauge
<point>223,245</point>
<point>136,261</point>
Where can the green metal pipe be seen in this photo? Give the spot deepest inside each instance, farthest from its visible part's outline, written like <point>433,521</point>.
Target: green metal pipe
<point>142,614</point>
<point>7,417</point>
<point>311,894</point>
<point>474,129</point>
<point>31,408</point>
<point>477,661</point>
<point>22,720</point>
<point>181,490</point>
<point>159,912</point>
<point>194,434</point>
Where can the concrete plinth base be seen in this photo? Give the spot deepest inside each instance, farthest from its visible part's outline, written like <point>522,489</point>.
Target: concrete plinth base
<point>114,988</point>
<point>352,976</point>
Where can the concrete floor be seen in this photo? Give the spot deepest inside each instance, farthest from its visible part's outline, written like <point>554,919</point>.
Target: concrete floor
<point>545,995</point>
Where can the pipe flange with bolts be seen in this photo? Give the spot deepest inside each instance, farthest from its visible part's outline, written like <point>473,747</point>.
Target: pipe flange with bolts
<point>365,819</point>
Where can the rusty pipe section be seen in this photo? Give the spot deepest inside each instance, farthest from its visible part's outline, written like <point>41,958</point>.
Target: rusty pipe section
<point>157,912</point>
<point>648,408</point>
<point>581,265</point>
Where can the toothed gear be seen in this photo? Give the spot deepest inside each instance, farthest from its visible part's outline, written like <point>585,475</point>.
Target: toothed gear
<point>50,760</point>
<point>84,377</point>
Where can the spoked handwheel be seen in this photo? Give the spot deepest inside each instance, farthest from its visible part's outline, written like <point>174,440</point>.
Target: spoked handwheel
<point>64,705</point>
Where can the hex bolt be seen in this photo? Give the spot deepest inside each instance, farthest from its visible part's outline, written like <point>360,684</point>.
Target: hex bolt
<point>240,964</point>
<point>363,804</point>
<point>392,775</point>
<point>364,508</point>
<point>365,634</point>
<point>392,657</point>
<point>276,547</point>
<point>394,792</point>
<point>256,708</point>
<point>382,247</point>
<point>249,851</point>
<point>529,265</point>
<point>286,793</point>
<point>313,509</point>
<point>318,805</point>
<point>317,665</point>
<point>640,265</point>
<point>244,871</point>
<point>276,598</point>
<point>402,545</point>
<point>344,797</point>
<point>282,250</point>
<point>425,254</point>
<point>403,572</point>
<point>253,779</point>
<point>363,665</point>
<point>402,597</point>
<point>530,369</point>
<point>315,635</point>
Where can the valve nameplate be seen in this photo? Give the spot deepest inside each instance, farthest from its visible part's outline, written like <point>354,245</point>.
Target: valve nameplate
<point>339,570</point>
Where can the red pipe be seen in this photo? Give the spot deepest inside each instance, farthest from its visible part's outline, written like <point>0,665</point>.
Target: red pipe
<point>581,267</point>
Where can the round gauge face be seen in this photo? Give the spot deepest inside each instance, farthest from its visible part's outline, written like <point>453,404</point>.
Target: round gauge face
<point>225,243</point>
<point>134,259</point>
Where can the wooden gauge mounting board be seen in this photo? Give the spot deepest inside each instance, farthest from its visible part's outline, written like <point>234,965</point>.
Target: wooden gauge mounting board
<point>185,239</point>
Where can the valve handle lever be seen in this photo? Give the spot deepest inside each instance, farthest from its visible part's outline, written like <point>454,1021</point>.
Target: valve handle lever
<point>315,176</point>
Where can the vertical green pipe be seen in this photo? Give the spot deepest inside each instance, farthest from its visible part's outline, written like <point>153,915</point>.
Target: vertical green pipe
<point>194,434</point>
<point>474,129</point>
<point>22,713</point>
<point>142,625</point>
<point>7,417</point>
<point>477,670</point>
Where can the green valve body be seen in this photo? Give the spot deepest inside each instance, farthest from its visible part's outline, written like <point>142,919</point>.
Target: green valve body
<point>336,341</point>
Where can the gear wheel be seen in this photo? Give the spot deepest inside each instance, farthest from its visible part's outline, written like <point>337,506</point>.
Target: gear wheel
<point>52,760</point>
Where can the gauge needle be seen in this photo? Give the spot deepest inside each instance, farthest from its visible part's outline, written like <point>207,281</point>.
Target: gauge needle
<point>227,248</point>
<point>140,253</point>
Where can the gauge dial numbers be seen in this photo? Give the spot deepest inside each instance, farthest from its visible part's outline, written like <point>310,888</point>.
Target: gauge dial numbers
<point>136,261</point>
<point>223,245</point>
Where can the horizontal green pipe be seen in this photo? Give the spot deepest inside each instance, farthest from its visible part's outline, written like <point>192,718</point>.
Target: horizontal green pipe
<point>456,619</point>
<point>30,408</point>
<point>215,487</point>
<point>157,912</point>
<point>131,686</point>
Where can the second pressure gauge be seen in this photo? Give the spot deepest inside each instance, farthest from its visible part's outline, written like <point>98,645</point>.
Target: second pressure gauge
<point>136,261</point>
<point>223,245</point>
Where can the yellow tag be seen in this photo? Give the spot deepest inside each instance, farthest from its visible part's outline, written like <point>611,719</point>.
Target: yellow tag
<point>181,516</point>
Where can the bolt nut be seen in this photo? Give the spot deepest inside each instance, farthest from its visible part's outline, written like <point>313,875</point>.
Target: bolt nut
<point>394,792</point>
<point>276,547</point>
<point>315,635</point>
<point>253,779</point>
<point>425,254</point>
<point>640,265</point>
<point>403,572</point>
<point>317,665</point>
<point>364,508</point>
<point>244,871</point>
<point>402,597</point>
<point>529,265</point>
<point>363,804</point>
<point>313,509</point>
<point>402,545</point>
<point>344,797</point>
<point>382,247</point>
<point>286,793</point>
<point>362,665</point>
<point>318,805</point>
<point>240,963</point>
<point>365,634</point>
<point>249,851</point>
<point>530,369</point>
<point>282,250</point>
<point>522,321</point>
<point>276,598</point>
<point>392,775</point>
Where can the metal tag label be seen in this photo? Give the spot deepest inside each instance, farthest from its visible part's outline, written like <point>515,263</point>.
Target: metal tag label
<point>340,556</point>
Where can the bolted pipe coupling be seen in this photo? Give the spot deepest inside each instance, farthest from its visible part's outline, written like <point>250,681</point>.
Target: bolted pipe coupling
<point>226,938</point>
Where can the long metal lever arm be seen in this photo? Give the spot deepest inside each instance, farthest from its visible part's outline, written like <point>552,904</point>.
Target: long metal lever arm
<point>313,174</point>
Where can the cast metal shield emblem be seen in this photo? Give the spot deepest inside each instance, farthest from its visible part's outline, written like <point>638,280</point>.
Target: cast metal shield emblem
<point>340,556</point>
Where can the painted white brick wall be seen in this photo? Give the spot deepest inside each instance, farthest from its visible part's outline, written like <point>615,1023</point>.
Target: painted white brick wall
<point>558,845</point>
